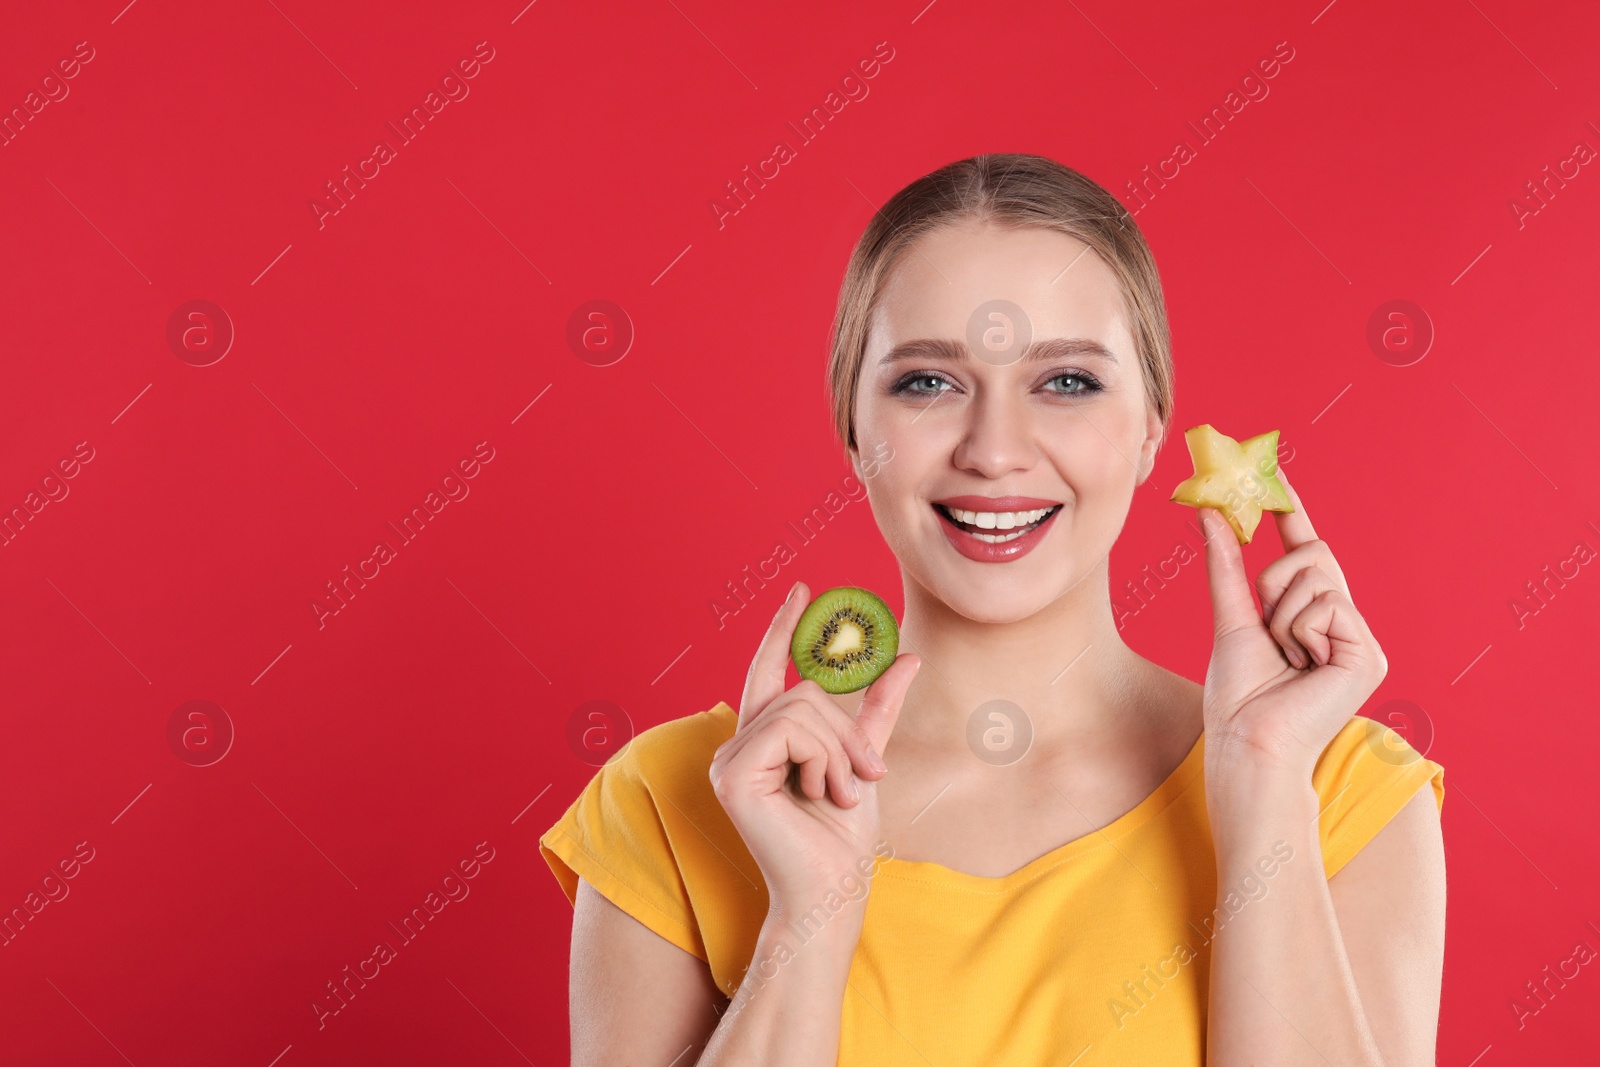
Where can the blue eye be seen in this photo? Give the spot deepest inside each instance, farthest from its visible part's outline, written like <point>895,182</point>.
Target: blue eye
<point>909,385</point>
<point>904,385</point>
<point>1086,384</point>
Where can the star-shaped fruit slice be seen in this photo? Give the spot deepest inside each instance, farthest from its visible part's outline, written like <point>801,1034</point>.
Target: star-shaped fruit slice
<point>1238,478</point>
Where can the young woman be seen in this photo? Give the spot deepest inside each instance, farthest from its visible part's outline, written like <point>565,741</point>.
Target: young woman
<point>1160,872</point>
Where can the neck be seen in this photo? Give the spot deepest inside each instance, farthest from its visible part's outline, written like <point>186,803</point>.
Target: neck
<point>1065,666</point>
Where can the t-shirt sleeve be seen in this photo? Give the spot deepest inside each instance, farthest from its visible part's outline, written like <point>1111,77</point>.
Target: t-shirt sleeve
<point>613,837</point>
<point>1364,777</point>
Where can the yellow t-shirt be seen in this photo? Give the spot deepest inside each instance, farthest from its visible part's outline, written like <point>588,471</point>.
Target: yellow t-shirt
<point>1094,953</point>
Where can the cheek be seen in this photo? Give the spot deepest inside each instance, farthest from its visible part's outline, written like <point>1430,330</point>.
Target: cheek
<point>877,418</point>
<point>894,493</point>
<point>1108,450</point>
<point>1088,448</point>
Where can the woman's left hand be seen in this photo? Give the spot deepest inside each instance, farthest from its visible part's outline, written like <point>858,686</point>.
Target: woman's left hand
<point>1283,680</point>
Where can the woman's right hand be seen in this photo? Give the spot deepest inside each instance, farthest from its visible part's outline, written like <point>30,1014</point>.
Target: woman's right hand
<point>808,832</point>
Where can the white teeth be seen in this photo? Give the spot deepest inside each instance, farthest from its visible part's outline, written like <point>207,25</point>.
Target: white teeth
<point>997,539</point>
<point>998,520</point>
<point>1020,522</point>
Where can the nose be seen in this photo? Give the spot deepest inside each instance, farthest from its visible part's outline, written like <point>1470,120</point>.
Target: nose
<point>999,435</point>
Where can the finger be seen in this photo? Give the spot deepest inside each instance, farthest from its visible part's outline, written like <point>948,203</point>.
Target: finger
<point>812,775</point>
<point>849,753</point>
<point>764,683</point>
<point>809,702</point>
<point>1299,539</point>
<point>1294,527</point>
<point>1335,633</point>
<point>808,779</point>
<point>1232,607</point>
<point>880,705</point>
<point>864,759</point>
<point>1311,626</point>
<point>1276,576</point>
<point>838,771</point>
<point>1305,587</point>
<point>780,743</point>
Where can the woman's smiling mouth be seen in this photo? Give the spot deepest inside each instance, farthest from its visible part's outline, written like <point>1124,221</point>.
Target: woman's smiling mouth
<point>995,529</point>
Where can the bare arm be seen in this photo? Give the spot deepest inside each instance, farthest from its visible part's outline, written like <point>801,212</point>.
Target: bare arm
<point>798,782</point>
<point>1390,900</point>
<point>1313,971</point>
<point>1303,972</point>
<point>636,998</point>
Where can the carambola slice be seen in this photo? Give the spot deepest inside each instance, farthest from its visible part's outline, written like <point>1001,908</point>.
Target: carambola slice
<point>1238,478</point>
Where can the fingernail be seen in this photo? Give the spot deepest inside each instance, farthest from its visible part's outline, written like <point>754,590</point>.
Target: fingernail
<point>875,761</point>
<point>855,790</point>
<point>793,589</point>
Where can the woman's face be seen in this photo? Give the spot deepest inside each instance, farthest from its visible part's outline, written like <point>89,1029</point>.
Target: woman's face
<point>956,411</point>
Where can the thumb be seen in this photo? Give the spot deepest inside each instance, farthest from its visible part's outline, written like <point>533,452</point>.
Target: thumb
<point>880,705</point>
<point>1232,605</point>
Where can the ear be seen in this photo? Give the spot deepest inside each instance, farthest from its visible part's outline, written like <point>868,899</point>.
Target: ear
<point>1155,433</point>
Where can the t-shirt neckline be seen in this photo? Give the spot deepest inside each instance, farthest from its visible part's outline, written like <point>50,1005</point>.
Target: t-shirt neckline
<point>929,871</point>
<point>1172,787</point>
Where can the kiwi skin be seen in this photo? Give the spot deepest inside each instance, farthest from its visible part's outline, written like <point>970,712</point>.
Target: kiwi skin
<point>841,614</point>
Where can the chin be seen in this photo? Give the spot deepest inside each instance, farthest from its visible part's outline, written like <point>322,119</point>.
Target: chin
<point>980,592</point>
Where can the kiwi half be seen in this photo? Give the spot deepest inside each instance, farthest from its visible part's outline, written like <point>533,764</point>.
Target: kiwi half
<point>845,639</point>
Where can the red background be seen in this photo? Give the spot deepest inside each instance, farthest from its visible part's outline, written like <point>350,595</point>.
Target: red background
<point>374,352</point>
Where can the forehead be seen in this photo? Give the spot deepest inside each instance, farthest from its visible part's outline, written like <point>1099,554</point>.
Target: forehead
<point>939,282</point>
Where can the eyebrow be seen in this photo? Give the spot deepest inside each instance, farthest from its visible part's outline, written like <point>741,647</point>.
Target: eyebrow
<point>1042,350</point>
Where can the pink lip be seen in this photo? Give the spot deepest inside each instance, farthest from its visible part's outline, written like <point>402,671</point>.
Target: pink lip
<point>983,551</point>
<point>997,503</point>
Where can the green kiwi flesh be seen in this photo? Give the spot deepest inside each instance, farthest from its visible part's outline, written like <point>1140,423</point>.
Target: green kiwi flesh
<point>845,639</point>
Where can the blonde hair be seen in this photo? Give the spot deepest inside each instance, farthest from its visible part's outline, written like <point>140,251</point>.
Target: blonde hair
<point>1010,189</point>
